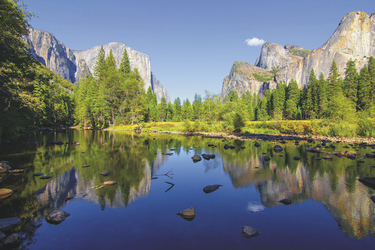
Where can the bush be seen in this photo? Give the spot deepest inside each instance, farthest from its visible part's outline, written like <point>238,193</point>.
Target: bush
<point>343,129</point>
<point>238,123</point>
<point>366,128</point>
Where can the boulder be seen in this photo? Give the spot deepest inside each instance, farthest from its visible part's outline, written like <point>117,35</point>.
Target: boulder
<point>249,232</point>
<point>370,155</point>
<point>9,223</point>
<point>226,146</point>
<point>243,147</point>
<point>339,153</point>
<point>105,173</point>
<point>12,239</point>
<point>368,181</point>
<point>327,157</point>
<point>296,158</point>
<point>109,183</point>
<point>351,156</point>
<point>4,193</point>
<point>314,150</point>
<point>196,158</point>
<point>188,214</point>
<point>56,216</point>
<point>286,201</point>
<point>212,156</point>
<point>206,157</point>
<point>45,177</point>
<point>4,167</point>
<point>257,144</point>
<point>278,148</point>
<point>266,158</point>
<point>211,188</point>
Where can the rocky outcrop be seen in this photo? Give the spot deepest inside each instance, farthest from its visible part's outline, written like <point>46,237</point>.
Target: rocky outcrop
<point>77,64</point>
<point>354,39</point>
<point>247,77</point>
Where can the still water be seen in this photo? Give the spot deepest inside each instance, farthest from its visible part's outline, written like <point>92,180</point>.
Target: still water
<point>331,209</point>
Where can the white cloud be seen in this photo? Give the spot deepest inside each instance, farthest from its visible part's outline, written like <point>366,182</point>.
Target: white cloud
<point>254,41</point>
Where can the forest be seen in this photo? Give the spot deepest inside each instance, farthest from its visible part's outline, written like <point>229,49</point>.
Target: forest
<point>32,96</point>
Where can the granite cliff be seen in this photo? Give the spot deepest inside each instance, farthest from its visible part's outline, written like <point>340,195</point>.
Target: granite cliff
<point>76,64</point>
<point>354,39</point>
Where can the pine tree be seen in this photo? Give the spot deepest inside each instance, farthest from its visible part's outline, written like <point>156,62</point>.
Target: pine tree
<point>125,64</point>
<point>371,70</point>
<point>163,108</point>
<point>279,101</point>
<point>334,81</point>
<point>100,64</point>
<point>197,107</point>
<point>350,84</point>
<point>322,96</point>
<point>364,89</point>
<point>177,104</point>
<point>261,111</point>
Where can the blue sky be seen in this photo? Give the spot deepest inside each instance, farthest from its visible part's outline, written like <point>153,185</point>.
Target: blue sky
<point>192,44</point>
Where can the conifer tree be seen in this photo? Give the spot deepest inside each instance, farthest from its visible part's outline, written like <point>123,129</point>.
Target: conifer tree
<point>371,70</point>
<point>322,96</point>
<point>334,81</point>
<point>364,89</point>
<point>125,64</point>
<point>163,108</point>
<point>350,84</point>
<point>177,105</point>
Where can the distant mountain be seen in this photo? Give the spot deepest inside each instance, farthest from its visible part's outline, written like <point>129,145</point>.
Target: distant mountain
<point>75,64</point>
<point>354,39</point>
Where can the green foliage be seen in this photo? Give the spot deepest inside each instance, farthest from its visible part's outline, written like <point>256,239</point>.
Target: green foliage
<point>300,52</point>
<point>238,122</point>
<point>263,77</point>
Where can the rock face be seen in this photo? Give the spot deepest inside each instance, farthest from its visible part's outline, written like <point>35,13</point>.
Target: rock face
<point>247,77</point>
<point>74,65</point>
<point>9,223</point>
<point>354,39</point>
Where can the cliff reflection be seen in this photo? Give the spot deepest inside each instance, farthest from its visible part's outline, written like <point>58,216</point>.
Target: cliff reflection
<point>331,184</point>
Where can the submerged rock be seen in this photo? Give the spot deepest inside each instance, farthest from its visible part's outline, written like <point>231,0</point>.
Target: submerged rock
<point>368,181</point>
<point>56,216</point>
<point>266,158</point>
<point>278,148</point>
<point>249,232</point>
<point>4,193</point>
<point>206,157</point>
<point>12,239</point>
<point>286,201</point>
<point>196,158</point>
<point>257,144</point>
<point>211,188</point>
<point>109,183</point>
<point>296,158</point>
<point>38,174</point>
<point>188,214</point>
<point>212,156</point>
<point>9,223</point>
<point>45,177</point>
<point>105,173</point>
<point>327,157</point>
<point>370,155</point>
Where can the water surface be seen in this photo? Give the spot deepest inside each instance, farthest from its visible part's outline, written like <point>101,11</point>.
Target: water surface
<point>331,209</point>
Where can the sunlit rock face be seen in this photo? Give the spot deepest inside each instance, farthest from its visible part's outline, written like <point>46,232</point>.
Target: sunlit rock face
<point>242,78</point>
<point>74,65</point>
<point>354,39</point>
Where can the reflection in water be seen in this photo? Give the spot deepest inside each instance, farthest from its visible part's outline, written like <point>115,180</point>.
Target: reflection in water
<point>134,160</point>
<point>349,203</point>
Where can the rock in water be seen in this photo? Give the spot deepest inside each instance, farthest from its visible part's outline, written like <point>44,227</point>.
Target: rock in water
<point>2,237</point>
<point>212,156</point>
<point>12,239</point>
<point>296,158</point>
<point>266,158</point>
<point>286,201</point>
<point>257,144</point>
<point>38,174</point>
<point>109,183</point>
<point>211,188</point>
<point>368,181</point>
<point>105,173</point>
<point>188,214</point>
<point>327,157</point>
<point>45,177</point>
<point>9,223</point>
<point>196,158</point>
<point>56,216</point>
<point>249,232</point>
<point>4,193</point>
<point>205,156</point>
<point>278,149</point>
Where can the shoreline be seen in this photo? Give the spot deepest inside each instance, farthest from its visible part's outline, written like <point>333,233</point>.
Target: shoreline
<point>263,137</point>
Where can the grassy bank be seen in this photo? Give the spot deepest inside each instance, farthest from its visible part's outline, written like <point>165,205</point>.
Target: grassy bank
<point>361,128</point>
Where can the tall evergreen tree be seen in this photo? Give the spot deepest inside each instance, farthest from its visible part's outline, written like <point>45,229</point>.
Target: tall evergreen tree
<point>371,70</point>
<point>350,84</point>
<point>163,108</point>
<point>334,81</point>
<point>322,96</point>
<point>364,90</point>
<point>125,64</point>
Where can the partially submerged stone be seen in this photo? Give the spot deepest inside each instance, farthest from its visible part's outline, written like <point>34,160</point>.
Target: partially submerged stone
<point>296,158</point>
<point>105,173</point>
<point>212,156</point>
<point>286,201</point>
<point>257,144</point>
<point>249,232</point>
<point>5,192</point>
<point>211,188</point>
<point>12,239</point>
<point>86,166</point>
<point>368,181</point>
<point>38,174</point>
<point>9,223</point>
<point>327,157</point>
<point>370,155</point>
<point>56,216</point>
<point>266,158</point>
<point>45,177</point>
<point>278,148</point>
<point>196,158</point>
<point>188,214</point>
<point>109,183</point>
<point>206,157</point>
